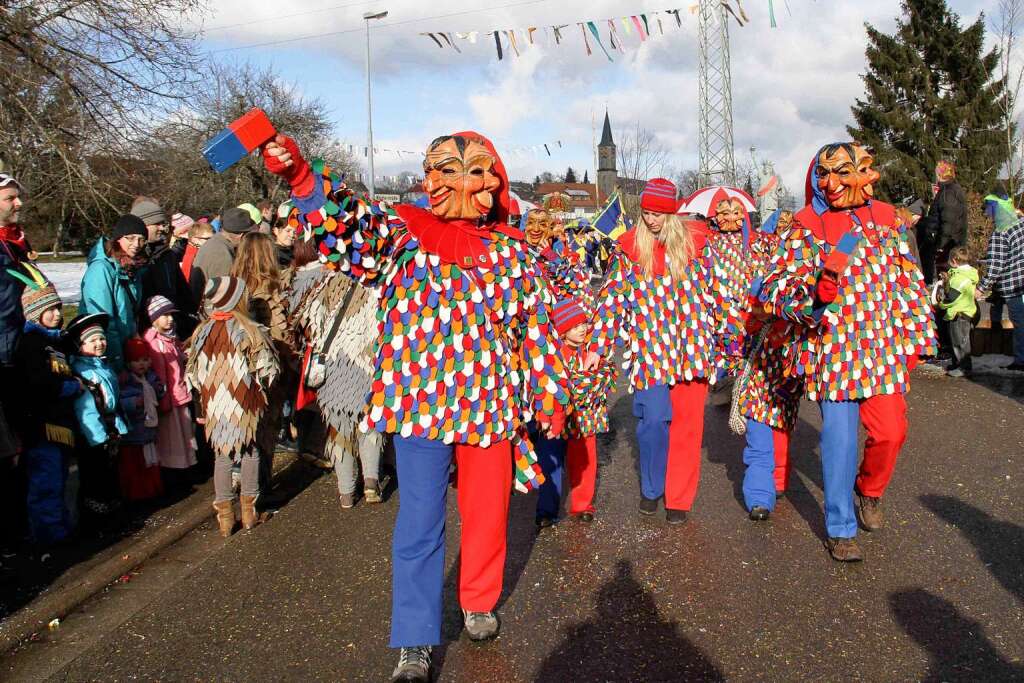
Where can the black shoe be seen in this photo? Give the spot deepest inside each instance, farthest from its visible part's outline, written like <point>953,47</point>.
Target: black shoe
<point>586,517</point>
<point>1018,367</point>
<point>759,513</point>
<point>413,665</point>
<point>545,522</point>
<point>648,506</point>
<point>675,516</point>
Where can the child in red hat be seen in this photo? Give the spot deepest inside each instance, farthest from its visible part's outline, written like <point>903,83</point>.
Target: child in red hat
<point>138,466</point>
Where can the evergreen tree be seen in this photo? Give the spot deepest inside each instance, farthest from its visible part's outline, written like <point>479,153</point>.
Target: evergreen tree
<point>586,177</point>
<point>570,175</point>
<point>931,93</point>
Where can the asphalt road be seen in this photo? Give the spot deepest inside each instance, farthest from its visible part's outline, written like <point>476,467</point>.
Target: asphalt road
<point>306,596</point>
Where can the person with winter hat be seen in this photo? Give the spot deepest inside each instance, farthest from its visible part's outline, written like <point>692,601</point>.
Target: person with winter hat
<point>231,364</point>
<point>659,299</point>
<point>844,275</point>
<point>138,465</point>
<point>98,410</point>
<point>14,250</point>
<point>44,414</point>
<point>587,417</point>
<point>180,226</point>
<point>465,357</point>
<point>113,283</point>
<point>162,275</point>
<point>217,254</point>
<point>175,436</point>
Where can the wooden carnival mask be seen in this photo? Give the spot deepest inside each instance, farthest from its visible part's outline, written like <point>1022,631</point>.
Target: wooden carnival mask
<point>729,215</point>
<point>845,176</point>
<point>460,178</point>
<point>539,226</point>
<point>785,221</point>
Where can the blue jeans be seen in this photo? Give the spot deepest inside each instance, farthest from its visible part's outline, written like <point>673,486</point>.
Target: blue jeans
<point>1015,306</point>
<point>653,407</point>
<point>759,457</point>
<point>551,456</point>
<point>839,454</point>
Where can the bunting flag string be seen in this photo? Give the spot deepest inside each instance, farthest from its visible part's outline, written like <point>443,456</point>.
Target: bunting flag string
<point>519,150</point>
<point>506,40</point>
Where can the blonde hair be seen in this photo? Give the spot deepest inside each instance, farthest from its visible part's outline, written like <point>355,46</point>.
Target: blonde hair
<point>256,263</point>
<point>678,241</point>
<point>200,229</point>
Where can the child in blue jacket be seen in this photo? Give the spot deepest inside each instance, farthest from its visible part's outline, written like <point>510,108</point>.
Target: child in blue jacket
<point>98,411</point>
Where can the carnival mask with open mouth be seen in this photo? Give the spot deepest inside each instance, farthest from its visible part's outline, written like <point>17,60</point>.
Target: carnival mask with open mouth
<point>729,215</point>
<point>460,178</point>
<point>539,226</point>
<point>785,221</point>
<point>844,175</point>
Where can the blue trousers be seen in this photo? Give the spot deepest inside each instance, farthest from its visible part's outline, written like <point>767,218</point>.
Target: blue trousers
<point>551,456</point>
<point>653,407</point>
<point>839,454</point>
<point>49,519</point>
<point>759,457</point>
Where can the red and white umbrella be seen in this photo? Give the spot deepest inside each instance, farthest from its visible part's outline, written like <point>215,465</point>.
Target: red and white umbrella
<point>524,205</point>
<point>704,199</point>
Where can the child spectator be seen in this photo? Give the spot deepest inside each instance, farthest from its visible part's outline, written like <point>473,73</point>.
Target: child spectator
<point>960,306</point>
<point>138,465</point>
<point>588,416</point>
<point>98,412</point>
<point>46,415</point>
<point>175,436</point>
<point>231,363</point>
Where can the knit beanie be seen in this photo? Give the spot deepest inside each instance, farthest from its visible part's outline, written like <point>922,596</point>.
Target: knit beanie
<point>567,314</point>
<point>237,221</point>
<point>85,327</point>
<point>149,211</point>
<point>181,223</point>
<point>157,306</point>
<point>222,294</point>
<point>39,296</point>
<point>129,224</point>
<point>135,349</point>
<point>659,196</point>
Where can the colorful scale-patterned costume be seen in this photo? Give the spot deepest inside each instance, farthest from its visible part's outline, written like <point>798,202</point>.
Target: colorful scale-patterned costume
<point>860,346</point>
<point>465,353</point>
<point>231,365</point>
<point>590,391</point>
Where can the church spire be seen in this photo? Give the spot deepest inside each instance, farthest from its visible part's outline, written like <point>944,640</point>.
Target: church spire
<point>606,134</point>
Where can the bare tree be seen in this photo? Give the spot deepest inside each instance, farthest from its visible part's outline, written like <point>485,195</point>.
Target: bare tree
<point>1006,28</point>
<point>640,156</point>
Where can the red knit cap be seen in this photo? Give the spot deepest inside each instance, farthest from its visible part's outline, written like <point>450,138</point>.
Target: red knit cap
<point>660,196</point>
<point>135,349</point>
<point>567,314</point>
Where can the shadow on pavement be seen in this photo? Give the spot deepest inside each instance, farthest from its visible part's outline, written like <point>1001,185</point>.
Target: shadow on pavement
<point>805,459</point>
<point>725,448</point>
<point>1000,545</point>
<point>627,641</point>
<point>956,645</point>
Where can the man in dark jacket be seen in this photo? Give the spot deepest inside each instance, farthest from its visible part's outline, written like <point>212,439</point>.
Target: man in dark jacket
<point>217,255</point>
<point>14,250</point>
<point>945,226</point>
<point>163,274</point>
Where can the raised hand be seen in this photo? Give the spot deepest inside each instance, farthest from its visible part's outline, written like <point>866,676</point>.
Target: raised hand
<point>281,156</point>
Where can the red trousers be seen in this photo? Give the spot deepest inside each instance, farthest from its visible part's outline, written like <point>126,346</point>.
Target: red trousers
<point>780,440</point>
<point>885,420</point>
<point>581,461</point>
<point>685,434</point>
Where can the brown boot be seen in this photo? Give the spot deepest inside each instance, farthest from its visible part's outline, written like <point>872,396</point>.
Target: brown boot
<point>248,505</point>
<point>844,550</point>
<point>225,517</point>
<point>870,509</point>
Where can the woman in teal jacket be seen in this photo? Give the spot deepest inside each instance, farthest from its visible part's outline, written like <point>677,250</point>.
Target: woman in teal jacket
<point>112,284</point>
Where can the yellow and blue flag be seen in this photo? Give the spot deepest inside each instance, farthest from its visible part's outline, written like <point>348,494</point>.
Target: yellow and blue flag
<point>611,220</point>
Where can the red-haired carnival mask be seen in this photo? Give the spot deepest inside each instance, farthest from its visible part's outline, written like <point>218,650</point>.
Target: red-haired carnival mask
<point>460,178</point>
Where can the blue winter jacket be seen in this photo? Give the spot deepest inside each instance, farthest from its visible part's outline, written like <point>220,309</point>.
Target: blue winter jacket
<point>107,288</point>
<point>98,427</point>
<point>133,404</point>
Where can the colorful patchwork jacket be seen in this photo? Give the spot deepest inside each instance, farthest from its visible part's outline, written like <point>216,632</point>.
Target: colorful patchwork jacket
<point>859,345</point>
<point>668,327</point>
<point>564,272</point>
<point>590,390</point>
<point>465,353</point>
<point>732,260</point>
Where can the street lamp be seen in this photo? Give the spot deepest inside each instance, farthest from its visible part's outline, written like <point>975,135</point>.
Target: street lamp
<point>369,101</point>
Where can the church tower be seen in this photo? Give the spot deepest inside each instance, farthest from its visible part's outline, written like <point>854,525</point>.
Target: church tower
<point>607,174</point>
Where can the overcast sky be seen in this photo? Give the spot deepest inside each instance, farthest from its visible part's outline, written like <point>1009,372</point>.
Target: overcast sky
<point>792,85</point>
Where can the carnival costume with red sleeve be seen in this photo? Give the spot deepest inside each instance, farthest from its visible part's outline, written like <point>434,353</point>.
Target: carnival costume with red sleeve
<point>465,354</point>
<point>844,273</point>
<point>767,392</point>
<point>668,329</point>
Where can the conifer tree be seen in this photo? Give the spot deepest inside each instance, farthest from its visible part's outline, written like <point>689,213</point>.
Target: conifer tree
<point>570,175</point>
<point>931,93</point>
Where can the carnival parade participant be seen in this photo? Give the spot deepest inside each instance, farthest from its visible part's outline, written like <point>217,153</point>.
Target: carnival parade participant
<point>232,365</point>
<point>658,299</point>
<point>844,273</point>
<point>560,265</point>
<point>767,394</point>
<point>461,330</point>
<point>588,417</point>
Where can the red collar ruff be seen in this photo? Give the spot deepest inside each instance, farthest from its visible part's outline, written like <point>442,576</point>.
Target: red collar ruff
<point>457,242</point>
<point>832,225</point>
